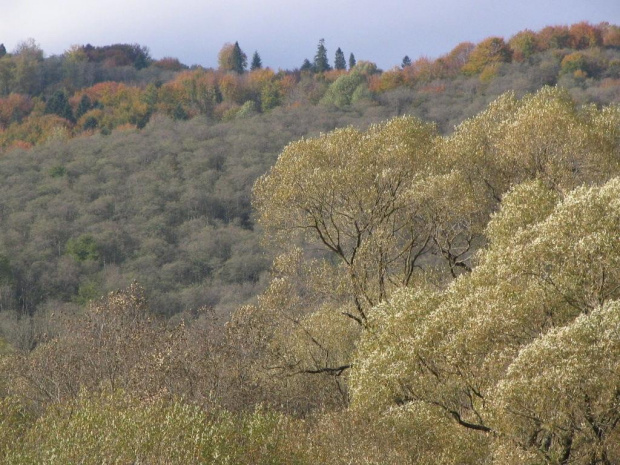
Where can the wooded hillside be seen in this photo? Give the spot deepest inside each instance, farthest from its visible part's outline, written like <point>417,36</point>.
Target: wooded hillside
<point>336,282</point>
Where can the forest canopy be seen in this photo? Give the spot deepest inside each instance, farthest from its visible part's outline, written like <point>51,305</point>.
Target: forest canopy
<point>447,299</point>
<point>427,290</point>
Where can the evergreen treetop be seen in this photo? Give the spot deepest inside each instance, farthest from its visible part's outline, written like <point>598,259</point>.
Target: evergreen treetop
<point>239,59</point>
<point>257,63</point>
<point>58,104</point>
<point>306,66</point>
<point>321,63</point>
<point>352,61</point>
<point>339,60</point>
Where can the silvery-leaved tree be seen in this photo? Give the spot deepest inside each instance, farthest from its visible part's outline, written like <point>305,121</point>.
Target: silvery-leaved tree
<point>504,351</point>
<point>398,207</point>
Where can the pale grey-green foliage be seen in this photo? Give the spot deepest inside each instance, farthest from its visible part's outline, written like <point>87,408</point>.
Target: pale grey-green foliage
<point>340,93</point>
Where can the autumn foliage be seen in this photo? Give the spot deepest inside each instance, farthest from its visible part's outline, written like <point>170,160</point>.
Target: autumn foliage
<point>220,94</point>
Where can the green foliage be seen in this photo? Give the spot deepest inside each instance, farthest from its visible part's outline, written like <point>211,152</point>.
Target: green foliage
<point>361,93</point>
<point>584,64</point>
<point>573,62</point>
<point>366,68</point>
<point>87,292</point>
<point>58,171</point>
<point>270,96</point>
<point>340,93</point>
<point>425,278</point>
<point>83,248</point>
<point>308,190</point>
<point>247,110</point>
<point>28,77</point>
<point>118,428</point>
<point>436,346</point>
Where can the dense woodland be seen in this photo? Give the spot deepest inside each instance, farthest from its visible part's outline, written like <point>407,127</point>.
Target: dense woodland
<point>347,265</point>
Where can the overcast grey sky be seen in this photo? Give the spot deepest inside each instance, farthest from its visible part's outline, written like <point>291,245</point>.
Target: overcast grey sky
<point>284,31</point>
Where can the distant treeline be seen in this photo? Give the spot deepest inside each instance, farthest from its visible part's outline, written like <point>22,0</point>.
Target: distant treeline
<point>97,89</point>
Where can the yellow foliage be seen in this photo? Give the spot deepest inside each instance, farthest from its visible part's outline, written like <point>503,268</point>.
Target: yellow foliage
<point>489,350</point>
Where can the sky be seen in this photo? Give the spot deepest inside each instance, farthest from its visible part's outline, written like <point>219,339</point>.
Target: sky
<point>284,32</point>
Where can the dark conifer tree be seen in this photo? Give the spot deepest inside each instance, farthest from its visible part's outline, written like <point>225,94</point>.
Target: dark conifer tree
<point>179,112</point>
<point>339,61</point>
<point>321,63</point>
<point>256,62</point>
<point>406,62</point>
<point>90,123</point>
<point>239,59</point>
<point>140,55</point>
<point>306,66</point>
<point>2,50</point>
<point>84,105</point>
<point>352,61</point>
<point>58,104</point>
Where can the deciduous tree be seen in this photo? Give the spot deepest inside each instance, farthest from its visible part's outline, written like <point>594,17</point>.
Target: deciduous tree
<point>524,44</point>
<point>507,348</point>
<point>347,192</point>
<point>488,52</point>
<point>232,58</point>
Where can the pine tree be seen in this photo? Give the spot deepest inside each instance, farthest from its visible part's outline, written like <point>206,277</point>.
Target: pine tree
<point>232,58</point>
<point>239,59</point>
<point>321,64</point>
<point>406,62</point>
<point>2,50</point>
<point>84,106</point>
<point>256,62</point>
<point>339,60</point>
<point>352,61</point>
<point>179,113</point>
<point>306,66</point>
<point>58,104</point>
